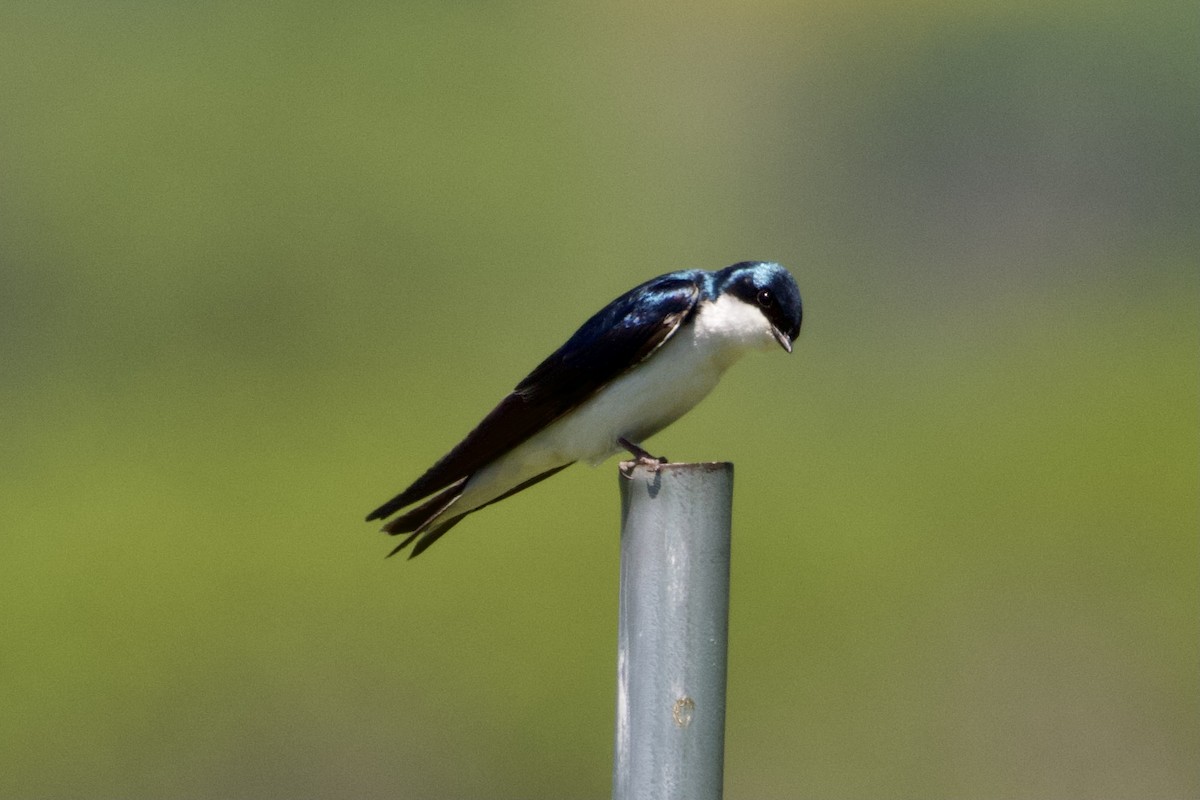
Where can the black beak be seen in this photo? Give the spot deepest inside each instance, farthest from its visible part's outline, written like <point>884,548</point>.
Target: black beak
<point>782,338</point>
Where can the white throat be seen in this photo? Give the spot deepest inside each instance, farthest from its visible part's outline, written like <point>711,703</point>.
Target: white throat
<point>730,327</point>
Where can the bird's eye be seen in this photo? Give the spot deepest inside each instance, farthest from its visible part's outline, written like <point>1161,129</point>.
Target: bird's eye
<point>765,299</point>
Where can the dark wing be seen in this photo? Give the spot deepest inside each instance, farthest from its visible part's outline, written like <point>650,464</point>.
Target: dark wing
<point>618,337</point>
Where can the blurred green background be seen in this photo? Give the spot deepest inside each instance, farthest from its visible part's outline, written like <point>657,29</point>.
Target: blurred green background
<point>260,264</point>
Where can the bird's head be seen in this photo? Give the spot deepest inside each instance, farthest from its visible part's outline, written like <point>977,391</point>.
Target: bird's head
<point>772,290</point>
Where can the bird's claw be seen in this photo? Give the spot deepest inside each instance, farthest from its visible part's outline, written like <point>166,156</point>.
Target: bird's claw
<point>641,457</point>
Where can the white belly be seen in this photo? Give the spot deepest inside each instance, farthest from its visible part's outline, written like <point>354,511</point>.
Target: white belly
<point>639,404</point>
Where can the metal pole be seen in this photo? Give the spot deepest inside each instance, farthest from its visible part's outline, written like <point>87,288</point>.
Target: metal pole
<point>672,631</point>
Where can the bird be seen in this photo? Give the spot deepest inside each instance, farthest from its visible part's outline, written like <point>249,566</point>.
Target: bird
<point>636,366</point>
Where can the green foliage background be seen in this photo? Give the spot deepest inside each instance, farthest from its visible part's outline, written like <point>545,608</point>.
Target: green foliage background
<point>260,264</point>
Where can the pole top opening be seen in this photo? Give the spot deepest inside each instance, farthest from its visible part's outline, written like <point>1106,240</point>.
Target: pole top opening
<point>641,469</point>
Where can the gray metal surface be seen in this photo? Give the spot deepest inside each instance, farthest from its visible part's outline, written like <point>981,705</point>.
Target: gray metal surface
<point>672,631</point>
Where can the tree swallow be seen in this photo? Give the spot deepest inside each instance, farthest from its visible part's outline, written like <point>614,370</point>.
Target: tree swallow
<point>639,364</point>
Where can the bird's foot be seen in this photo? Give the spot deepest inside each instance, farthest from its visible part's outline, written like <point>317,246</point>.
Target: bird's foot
<point>640,455</point>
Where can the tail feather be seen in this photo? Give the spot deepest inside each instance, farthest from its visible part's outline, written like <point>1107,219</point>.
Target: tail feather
<point>423,520</point>
<point>407,541</point>
<point>431,536</point>
<point>423,514</point>
<point>427,537</point>
<point>425,524</point>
